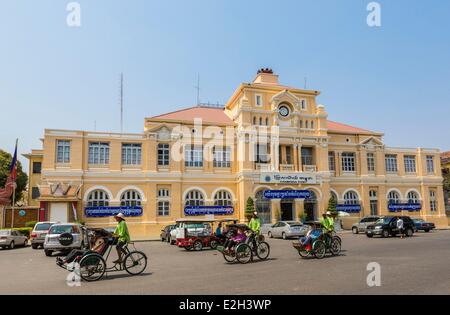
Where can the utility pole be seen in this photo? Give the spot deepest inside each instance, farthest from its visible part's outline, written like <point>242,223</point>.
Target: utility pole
<point>198,90</point>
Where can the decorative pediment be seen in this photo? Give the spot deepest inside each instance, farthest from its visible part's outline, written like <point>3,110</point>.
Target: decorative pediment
<point>163,132</point>
<point>59,190</point>
<point>285,96</point>
<point>371,142</point>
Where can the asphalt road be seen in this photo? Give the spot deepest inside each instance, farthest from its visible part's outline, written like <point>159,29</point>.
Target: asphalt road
<point>419,265</point>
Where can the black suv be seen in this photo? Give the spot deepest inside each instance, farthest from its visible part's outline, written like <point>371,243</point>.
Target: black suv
<point>387,226</point>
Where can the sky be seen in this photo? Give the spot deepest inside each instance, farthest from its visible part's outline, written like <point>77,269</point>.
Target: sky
<point>393,78</point>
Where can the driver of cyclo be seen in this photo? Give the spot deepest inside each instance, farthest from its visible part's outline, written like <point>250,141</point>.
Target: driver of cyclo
<point>314,233</point>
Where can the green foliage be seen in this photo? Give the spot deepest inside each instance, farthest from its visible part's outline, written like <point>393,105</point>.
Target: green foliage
<point>446,175</point>
<point>332,203</point>
<point>30,224</point>
<point>302,217</point>
<point>22,178</point>
<point>249,208</point>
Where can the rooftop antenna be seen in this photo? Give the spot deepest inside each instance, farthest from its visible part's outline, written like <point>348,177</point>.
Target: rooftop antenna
<point>121,102</point>
<point>198,89</point>
<point>95,125</point>
<point>306,81</point>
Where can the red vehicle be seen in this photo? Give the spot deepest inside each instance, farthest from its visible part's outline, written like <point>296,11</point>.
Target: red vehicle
<point>196,234</point>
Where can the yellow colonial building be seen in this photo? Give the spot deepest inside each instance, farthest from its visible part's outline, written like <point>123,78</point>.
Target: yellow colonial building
<point>271,142</point>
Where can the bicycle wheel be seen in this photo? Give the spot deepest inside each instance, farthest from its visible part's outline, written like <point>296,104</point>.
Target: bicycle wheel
<point>319,249</point>
<point>244,253</point>
<point>229,258</point>
<point>303,253</point>
<point>263,250</point>
<point>135,263</point>
<point>335,247</point>
<point>92,267</point>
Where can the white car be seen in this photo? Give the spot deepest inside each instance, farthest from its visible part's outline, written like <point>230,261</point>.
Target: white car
<point>287,229</point>
<point>53,242</point>
<point>12,238</point>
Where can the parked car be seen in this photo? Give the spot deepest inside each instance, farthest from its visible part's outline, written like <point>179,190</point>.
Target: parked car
<point>361,226</point>
<point>12,238</point>
<point>39,232</point>
<point>387,226</point>
<point>173,236</point>
<point>287,229</point>
<point>165,233</point>
<point>52,239</point>
<point>421,225</point>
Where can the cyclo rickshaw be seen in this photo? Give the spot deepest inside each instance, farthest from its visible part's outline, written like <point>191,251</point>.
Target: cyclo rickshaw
<point>91,262</point>
<point>254,245</point>
<point>195,234</point>
<point>318,247</point>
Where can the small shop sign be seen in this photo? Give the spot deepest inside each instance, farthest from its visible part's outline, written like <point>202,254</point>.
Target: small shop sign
<point>99,212</point>
<point>208,210</point>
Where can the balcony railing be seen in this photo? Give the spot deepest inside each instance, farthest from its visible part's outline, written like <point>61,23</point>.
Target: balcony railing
<point>286,167</point>
<point>262,167</point>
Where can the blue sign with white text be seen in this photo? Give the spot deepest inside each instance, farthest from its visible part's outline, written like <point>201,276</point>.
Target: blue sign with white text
<point>99,212</point>
<point>208,210</point>
<point>395,207</point>
<point>349,208</point>
<point>287,194</point>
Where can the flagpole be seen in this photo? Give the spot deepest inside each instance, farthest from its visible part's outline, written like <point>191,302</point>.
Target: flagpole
<point>14,195</point>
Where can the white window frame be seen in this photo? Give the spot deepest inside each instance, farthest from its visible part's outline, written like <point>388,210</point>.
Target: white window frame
<point>332,161</point>
<point>351,198</point>
<point>433,201</point>
<point>98,198</point>
<point>430,164</point>
<point>130,198</point>
<point>391,163</point>
<point>348,162</point>
<point>410,164</point>
<point>223,198</point>
<point>222,157</point>
<point>394,197</point>
<point>194,198</point>
<point>260,97</point>
<point>131,154</point>
<point>98,153</point>
<point>303,105</point>
<point>413,197</point>
<point>371,162</point>
<point>193,155</point>
<point>163,154</point>
<point>163,193</point>
<point>63,151</point>
<point>163,208</point>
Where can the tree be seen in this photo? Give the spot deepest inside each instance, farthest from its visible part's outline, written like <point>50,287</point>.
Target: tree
<point>249,208</point>
<point>332,207</point>
<point>22,178</point>
<point>446,175</point>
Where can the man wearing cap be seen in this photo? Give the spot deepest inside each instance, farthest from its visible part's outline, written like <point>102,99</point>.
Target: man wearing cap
<point>255,223</point>
<point>122,235</point>
<point>327,224</point>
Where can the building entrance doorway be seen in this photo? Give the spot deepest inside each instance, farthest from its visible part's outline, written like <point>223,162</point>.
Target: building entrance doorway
<point>58,212</point>
<point>311,207</point>
<point>287,210</point>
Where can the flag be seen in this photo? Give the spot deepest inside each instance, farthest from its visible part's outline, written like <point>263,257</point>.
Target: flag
<point>12,167</point>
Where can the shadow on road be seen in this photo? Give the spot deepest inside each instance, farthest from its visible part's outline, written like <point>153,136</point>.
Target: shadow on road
<point>113,276</point>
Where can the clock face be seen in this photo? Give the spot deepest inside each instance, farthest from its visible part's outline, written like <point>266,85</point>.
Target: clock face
<point>284,111</point>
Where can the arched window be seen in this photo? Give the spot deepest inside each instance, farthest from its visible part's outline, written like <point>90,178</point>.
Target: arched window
<point>312,124</point>
<point>223,198</point>
<point>254,120</point>
<point>351,198</point>
<point>195,198</point>
<point>130,198</point>
<point>393,197</point>
<point>301,124</point>
<point>98,198</point>
<point>334,196</point>
<point>267,121</point>
<point>263,207</point>
<point>413,197</point>
<point>306,124</point>
<point>260,121</point>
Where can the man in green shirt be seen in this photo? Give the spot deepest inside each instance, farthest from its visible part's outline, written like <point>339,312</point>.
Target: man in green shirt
<point>255,224</point>
<point>327,224</point>
<point>122,235</point>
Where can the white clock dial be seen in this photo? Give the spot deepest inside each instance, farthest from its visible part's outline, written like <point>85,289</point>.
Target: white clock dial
<point>284,111</point>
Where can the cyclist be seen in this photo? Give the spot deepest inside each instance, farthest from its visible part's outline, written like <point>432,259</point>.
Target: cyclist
<point>327,225</point>
<point>122,235</point>
<point>255,224</point>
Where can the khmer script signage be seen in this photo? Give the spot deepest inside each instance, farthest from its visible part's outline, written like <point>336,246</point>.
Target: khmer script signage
<point>394,207</point>
<point>287,194</point>
<point>208,210</point>
<point>280,178</point>
<point>348,208</point>
<point>111,211</point>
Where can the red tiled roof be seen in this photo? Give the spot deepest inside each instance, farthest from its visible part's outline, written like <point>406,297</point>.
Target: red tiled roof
<point>445,155</point>
<point>218,116</point>
<point>207,114</point>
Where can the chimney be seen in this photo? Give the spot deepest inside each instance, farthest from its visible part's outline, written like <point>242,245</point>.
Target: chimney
<point>266,76</point>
